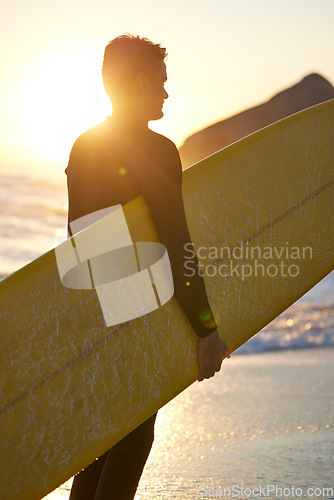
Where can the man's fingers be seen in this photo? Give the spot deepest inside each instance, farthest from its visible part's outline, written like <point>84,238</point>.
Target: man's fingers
<point>208,371</point>
<point>225,350</point>
<point>204,373</point>
<point>211,352</point>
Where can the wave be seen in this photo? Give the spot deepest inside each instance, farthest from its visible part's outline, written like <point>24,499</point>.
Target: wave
<point>301,326</point>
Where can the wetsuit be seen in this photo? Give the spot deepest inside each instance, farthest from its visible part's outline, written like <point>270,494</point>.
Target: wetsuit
<point>112,164</point>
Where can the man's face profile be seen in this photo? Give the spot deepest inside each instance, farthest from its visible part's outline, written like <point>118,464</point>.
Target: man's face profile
<point>151,90</point>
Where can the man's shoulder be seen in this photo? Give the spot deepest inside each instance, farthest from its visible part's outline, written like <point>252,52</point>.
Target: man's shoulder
<point>88,147</point>
<point>165,155</point>
<point>163,144</point>
<point>92,137</point>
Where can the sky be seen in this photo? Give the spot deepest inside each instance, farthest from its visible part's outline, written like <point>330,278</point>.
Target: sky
<point>223,57</point>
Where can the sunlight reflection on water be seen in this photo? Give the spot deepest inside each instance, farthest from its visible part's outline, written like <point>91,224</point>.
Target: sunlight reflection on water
<point>267,419</point>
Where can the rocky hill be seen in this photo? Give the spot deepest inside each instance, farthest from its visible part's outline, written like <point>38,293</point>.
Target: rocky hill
<point>312,90</point>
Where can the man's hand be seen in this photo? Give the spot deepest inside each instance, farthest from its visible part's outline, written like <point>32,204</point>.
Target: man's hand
<point>211,351</point>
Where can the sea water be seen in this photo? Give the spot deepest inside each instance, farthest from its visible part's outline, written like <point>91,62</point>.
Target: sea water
<point>261,428</point>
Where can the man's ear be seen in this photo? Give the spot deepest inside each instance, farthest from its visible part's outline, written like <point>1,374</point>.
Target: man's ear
<point>143,81</point>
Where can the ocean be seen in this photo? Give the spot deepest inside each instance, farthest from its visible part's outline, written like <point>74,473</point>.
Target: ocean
<point>261,428</point>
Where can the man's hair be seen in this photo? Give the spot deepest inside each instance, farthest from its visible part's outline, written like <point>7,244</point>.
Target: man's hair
<point>124,58</point>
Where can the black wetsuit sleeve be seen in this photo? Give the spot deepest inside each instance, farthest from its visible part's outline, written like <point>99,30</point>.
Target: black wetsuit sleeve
<point>162,191</point>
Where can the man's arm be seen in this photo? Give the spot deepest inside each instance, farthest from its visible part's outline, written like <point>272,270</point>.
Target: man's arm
<point>167,211</point>
<point>161,181</point>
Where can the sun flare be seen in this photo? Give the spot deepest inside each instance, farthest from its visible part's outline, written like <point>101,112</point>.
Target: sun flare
<point>62,98</point>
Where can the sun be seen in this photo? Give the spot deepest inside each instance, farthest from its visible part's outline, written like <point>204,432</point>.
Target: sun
<point>63,97</point>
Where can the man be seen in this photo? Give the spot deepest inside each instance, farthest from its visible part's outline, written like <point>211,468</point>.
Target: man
<point>114,163</point>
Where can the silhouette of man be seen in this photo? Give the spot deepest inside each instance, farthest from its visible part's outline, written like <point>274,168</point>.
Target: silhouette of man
<point>113,163</point>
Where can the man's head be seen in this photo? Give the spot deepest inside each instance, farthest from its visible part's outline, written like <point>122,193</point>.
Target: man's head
<point>134,74</point>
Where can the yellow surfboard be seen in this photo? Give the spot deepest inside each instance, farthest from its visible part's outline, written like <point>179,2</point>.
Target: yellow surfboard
<point>260,214</point>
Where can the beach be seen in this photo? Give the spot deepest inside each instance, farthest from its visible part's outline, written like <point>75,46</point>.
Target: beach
<point>264,424</point>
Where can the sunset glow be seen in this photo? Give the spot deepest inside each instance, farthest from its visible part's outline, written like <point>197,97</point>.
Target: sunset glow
<point>63,98</point>
<point>222,58</point>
